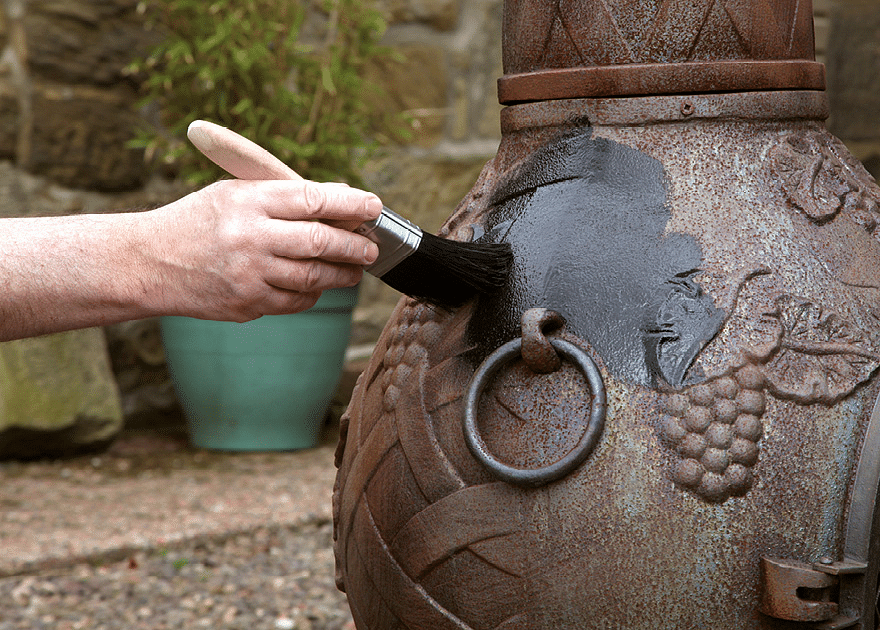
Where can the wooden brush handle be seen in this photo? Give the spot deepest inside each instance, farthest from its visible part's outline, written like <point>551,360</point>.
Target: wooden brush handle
<point>237,155</point>
<point>243,158</point>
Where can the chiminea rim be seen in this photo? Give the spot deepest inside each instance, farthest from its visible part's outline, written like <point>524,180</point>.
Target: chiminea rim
<point>647,110</point>
<point>657,79</point>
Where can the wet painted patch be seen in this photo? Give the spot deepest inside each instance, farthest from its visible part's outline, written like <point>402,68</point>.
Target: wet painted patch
<point>586,218</point>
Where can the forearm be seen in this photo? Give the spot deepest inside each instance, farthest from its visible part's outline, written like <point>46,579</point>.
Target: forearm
<point>60,273</point>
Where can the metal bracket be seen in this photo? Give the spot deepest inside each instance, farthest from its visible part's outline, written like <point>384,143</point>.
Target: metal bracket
<point>795,591</point>
<point>847,566</point>
<point>800,591</point>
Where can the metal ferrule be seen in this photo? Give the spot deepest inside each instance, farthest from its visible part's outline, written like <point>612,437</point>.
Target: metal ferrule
<point>396,237</point>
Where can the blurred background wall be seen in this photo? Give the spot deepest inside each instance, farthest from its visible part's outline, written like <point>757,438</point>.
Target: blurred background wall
<point>67,109</point>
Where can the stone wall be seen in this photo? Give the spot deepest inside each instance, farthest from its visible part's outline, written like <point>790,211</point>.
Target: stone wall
<point>853,63</point>
<point>447,84</point>
<point>65,102</point>
<point>67,110</point>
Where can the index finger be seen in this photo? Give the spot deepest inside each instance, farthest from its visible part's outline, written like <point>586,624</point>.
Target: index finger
<point>306,200</point>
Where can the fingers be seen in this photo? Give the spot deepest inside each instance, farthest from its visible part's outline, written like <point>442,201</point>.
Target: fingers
<point>303,240</point>
<point>274,301</point>
<point>311,276</point>
<point>247,160</point>
<point>313,200</point>
<point>282,302</point>
<point>285,286</point>
<point>300,200</point>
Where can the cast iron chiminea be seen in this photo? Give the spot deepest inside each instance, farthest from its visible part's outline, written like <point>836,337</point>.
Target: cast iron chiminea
<point>664,421</point>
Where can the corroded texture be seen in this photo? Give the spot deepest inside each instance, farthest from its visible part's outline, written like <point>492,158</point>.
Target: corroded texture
<point>749,455</point>
<point>716,256</point>
<point>567,33</point>
<point>590,48</point>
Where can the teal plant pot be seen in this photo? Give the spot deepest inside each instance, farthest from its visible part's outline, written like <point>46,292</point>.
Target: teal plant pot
<point>261,385</point>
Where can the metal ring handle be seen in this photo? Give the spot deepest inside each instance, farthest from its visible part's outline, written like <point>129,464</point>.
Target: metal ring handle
<point>533,477</point>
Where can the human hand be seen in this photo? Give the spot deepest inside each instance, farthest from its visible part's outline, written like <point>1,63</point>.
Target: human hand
<point>237,249</point>
<point>279,243</point>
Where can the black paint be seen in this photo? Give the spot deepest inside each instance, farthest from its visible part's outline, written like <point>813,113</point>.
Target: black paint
<point>586,218</point>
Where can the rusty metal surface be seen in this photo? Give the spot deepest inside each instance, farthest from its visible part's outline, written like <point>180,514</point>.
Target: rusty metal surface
<point>537,351</point>
<point>550,115</point>
<point>541,355</point>
<point>795,591</point>
<point>592,48</point>
<point>717,257</point>
<point>567,33</point>
<point>680,78</point>
<point>689,487</point>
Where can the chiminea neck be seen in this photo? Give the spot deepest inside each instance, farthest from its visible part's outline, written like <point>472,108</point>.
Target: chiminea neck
<point>563,49</point>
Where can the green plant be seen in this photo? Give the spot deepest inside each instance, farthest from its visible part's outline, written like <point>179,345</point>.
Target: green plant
<point>288,74</point>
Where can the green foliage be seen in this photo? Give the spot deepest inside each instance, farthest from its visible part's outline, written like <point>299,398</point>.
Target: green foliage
<point>287,74</point>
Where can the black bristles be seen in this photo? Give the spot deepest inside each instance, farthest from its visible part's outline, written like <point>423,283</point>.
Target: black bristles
<point>448,273</point>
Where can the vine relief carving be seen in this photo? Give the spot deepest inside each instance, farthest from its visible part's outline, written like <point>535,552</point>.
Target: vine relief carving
<point>774,342</point>
<point>821,179</point>
<point>793,349</point>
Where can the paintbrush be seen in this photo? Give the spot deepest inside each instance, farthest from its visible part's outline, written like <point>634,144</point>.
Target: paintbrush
<point>442,272</point>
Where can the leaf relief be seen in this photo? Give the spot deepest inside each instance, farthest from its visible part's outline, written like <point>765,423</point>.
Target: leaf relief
<point>822,180</point>
<point>807,353</point>
<point>753,331</point>
<point>822,356</point>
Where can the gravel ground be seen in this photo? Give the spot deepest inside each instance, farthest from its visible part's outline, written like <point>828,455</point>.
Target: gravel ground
<point>273,579</point>
<point>154,534</point>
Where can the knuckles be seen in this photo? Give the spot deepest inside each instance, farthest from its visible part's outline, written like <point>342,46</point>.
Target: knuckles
<point>314,199</point>
<point>312,278</point>
<point>318,239</point>
<point>235,253</point>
